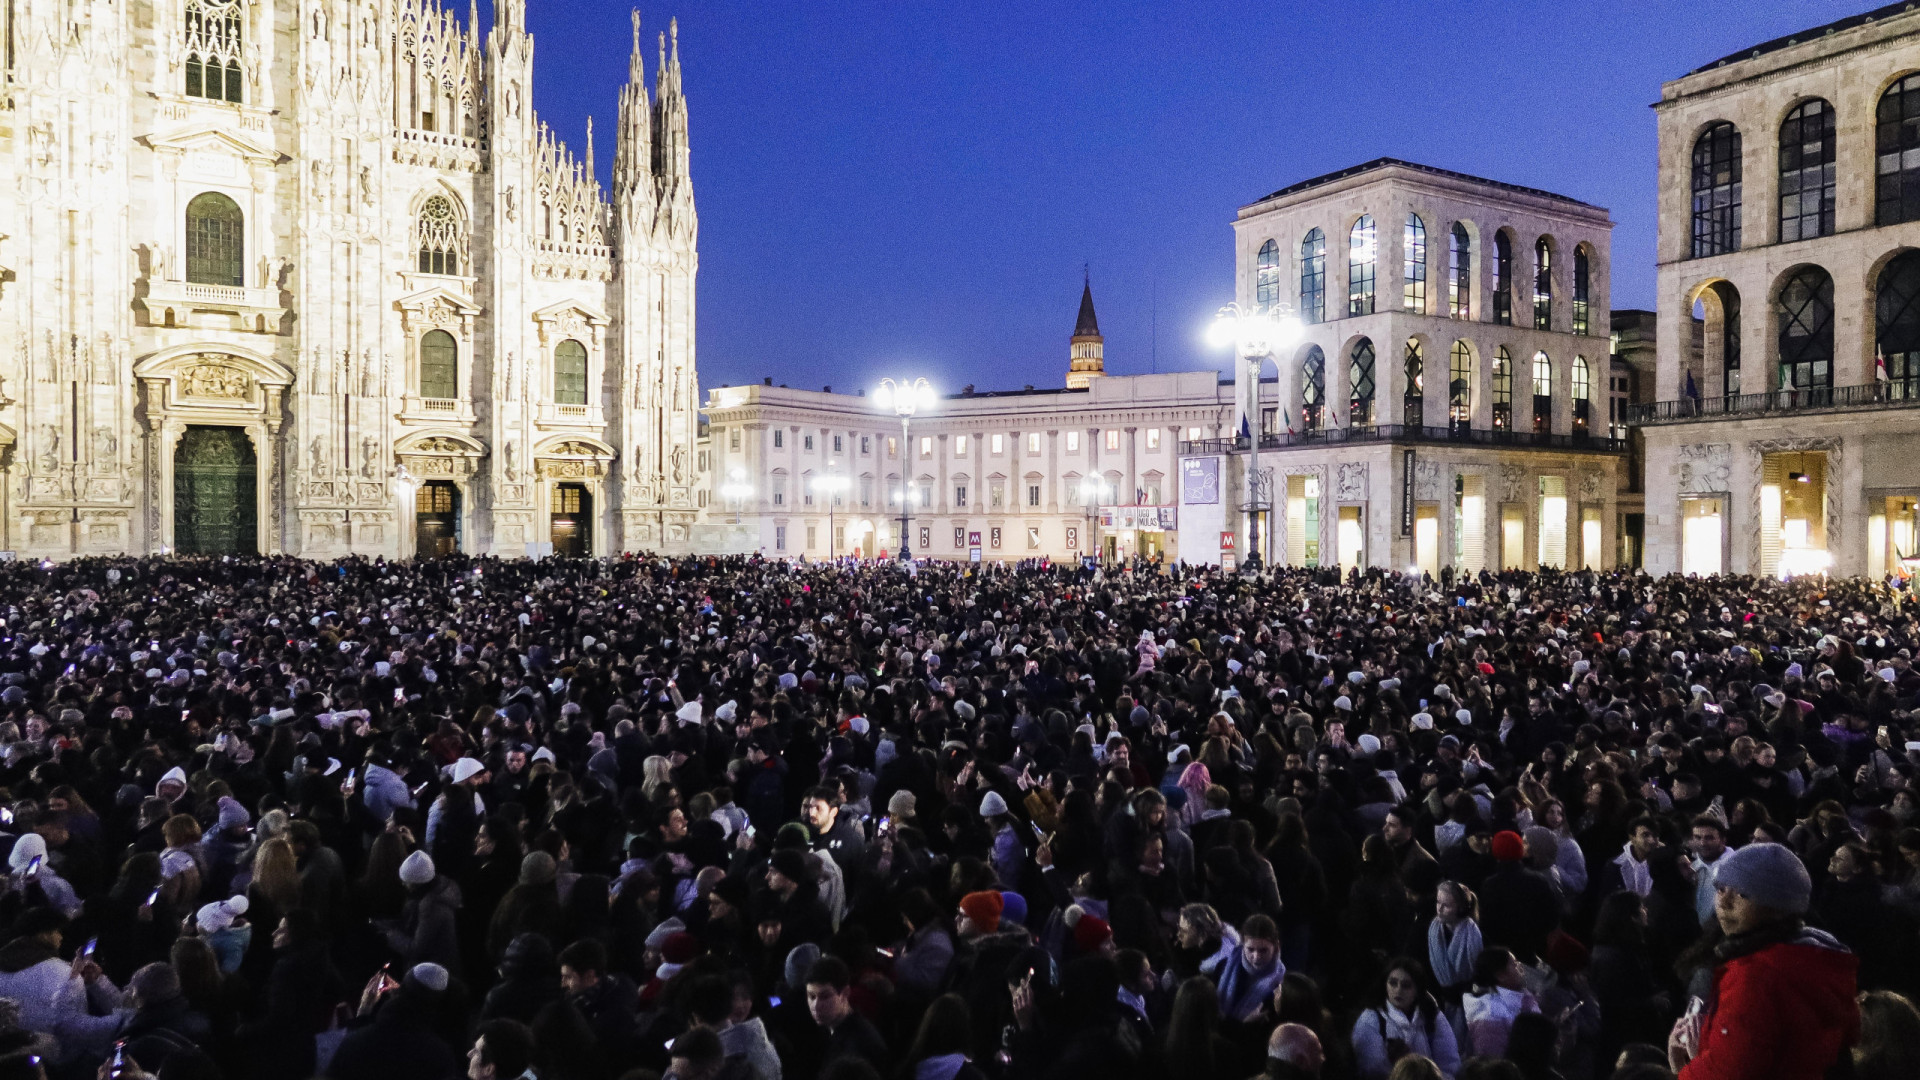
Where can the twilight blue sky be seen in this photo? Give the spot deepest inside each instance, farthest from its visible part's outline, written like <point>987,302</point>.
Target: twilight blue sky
<point>905,186</point>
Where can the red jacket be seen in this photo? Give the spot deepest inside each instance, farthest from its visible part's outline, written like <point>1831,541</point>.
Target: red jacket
<point>1782,1012</point>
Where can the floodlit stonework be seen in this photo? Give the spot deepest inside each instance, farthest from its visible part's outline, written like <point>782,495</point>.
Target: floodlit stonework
<point>316,279</point>
<point>1789,210</point>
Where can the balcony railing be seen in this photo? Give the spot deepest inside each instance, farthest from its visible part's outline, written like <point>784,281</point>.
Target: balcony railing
<point>1377,433</point>
<point>1901,394</point>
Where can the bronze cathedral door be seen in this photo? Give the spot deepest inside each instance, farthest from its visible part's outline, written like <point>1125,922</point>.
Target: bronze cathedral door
<point>213,493</point>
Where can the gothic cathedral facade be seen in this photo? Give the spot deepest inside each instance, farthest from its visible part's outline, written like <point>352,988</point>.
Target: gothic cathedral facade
<point>311,277</point>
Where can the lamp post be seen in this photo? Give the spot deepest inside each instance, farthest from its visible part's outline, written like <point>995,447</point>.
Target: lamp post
<point>1092,490</point>
<point>1255,335</point>
<point>735,489</point>
<point>905,398</point>
<point>831,485</point>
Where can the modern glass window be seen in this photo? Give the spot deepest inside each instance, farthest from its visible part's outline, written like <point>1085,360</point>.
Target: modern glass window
<point>1266,285</point>
<point>1502,279</point>
<point>1582,289</point>
<point>1413,405</point>
<point>1542,393</point>
<point>1502,389</point>
<point>441,239</point>
<point>1360,384</point>
<point>1413,294</point>
<point>1897,153</point>
<point>1363,253</point>
<point>1808,146</point>
<point>1897,325</point>
<point>1460,273</point>
<point>216,250</point>
<point>1716,191</point>
<point>1806,335</point>
<point>570,373</point>
<point>1582,394</point>
<point>1313,277</point>
<point>213,43</point>
<point>1542,284</point>
<point>1313,388</point>
<point>1460,387</point>
<point>439,366</point>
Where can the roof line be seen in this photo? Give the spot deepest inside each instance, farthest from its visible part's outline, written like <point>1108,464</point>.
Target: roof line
<point>1388,162</point>
<point>1809,35</point>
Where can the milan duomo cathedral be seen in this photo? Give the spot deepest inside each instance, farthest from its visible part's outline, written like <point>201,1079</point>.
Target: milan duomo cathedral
<point>311,276</point>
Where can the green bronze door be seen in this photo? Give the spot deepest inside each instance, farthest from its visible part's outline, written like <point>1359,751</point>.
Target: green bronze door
<point>213,493</point>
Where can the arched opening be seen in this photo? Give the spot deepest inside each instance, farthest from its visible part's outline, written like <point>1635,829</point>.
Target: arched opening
<point>1413,272</point>
<point>215,483</point>
<point>1502,389</point>
<point>439,366</point>
<point>216,248</point>
<point>1313,277</point>
<point>1542,284</point>
<point>570,373</point>
<point>1360,384</point>
<point>436,519</point>
<point>1363,253</point>
<point>1897,327</point>
<point>1460,387</point>
<point>1805,311</point>
<point>1313,388</point>
<point>1266,285</point>
<point>1542,394</point>
<point>1582,395</point>
<point>442,240</point>
<point>1717,309</point>
<point>1582,288</point>
<point>1459,272</point>
<point>1716,190</point>
<point>1896,192</point>
<point>1413,404</point>
<point>1808,149</point>
<point>1503,278</point>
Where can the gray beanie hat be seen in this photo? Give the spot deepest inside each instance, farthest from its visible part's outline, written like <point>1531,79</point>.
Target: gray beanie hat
<point>992,805</point>
<point>1767,874</point>
<point>799,962</point>
<point>156,984</point>
<point>417,869</point>
<point>1544,842</point>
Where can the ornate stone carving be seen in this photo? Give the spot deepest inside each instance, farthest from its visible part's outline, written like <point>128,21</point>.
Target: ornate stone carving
<point>1706,467</point>
<point>1426,480</point>
<point>1350,484</point>
<point>1513,480</point>
<point>214,380</point>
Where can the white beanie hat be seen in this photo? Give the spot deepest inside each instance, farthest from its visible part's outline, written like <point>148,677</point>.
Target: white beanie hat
<point>29,847</point>
<point>466,769</point>
<point>992,805</point>
<point>214,918</point>
<point>430,976</point>
<point>417,869</point>
<point>1369,743</point>
<point>689,713</point>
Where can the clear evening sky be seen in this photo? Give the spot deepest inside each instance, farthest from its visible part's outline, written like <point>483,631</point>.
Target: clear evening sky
<point>908,187</point>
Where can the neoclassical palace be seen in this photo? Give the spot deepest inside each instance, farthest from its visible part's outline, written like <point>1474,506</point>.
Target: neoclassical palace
<point>314,278</point>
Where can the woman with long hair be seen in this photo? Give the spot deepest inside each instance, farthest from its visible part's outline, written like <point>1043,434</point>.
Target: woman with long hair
<point>1889,1046</point>
<point>1404,1021</point>
<point>274,891</point>
<point>1193,1047</point>
<point>1453,939</point>
<point>941,1045</point>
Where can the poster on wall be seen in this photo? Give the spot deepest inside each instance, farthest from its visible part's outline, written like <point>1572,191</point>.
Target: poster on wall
<point>1406,493</point>
<point>1200,481</point>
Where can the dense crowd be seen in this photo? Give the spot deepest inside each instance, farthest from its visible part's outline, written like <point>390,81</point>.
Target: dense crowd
<point>747,820</point>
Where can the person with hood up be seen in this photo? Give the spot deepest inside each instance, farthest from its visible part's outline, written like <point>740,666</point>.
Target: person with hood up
<point>529,981</point>
<point>31,869</point>
<point>226,932</point>
<point>428,928</point>
<point>1782,1004</point>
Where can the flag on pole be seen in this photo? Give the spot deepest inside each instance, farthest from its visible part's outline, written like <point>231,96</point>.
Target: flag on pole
<point>1692,391</point>
<point>1288,414</point>
<point>1880,366</point>
<point>1245,431</point>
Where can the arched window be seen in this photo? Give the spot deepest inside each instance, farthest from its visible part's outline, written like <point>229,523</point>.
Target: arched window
<point>1360,385</point>
<point>1313,277</point>
<point>570,373</point>
<point>1542,393</point>
<point>1897,154</point>
<point>1502,389</point>
<point>1413,404</point>
<point>1806,335</point>
<point>1582,394</point>
<point>1266,287</point>
<point>442,240</point>
<point>1542,284</point>
<point>1460,273</point>
<point>1362,254</point>
<point>1897,325</point>
<point>439,366</point>
<point>1807,149</point>
<point>1460,387</point>
<point>1313,388</point>
<point>1582,288</point>
<point>1716,190</point>
<point>1414,272</point>
<point>216,248</point>
<point>1502,279</point>
<point>213,45</point>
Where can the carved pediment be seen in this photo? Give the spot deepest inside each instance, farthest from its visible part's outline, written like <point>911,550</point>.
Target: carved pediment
<point>437,307</point>
<point>214,139</point>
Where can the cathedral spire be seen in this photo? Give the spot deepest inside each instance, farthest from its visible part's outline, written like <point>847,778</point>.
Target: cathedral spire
<point>636,67</point>
<point>1086,354</point>
<point>592,176</point>
<point>633,144</point>
<point>670,123</point>
<point>510,15</point>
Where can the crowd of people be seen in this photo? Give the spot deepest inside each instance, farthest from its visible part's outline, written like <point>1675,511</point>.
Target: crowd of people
<point>737,819</point>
